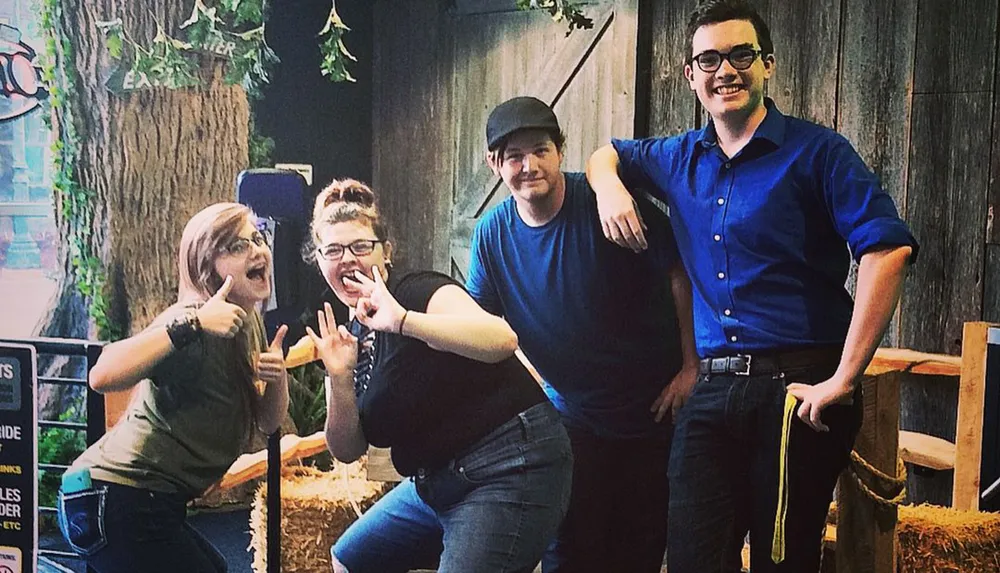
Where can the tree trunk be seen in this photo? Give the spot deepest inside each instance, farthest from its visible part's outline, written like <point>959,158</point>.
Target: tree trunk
<point>152,158</point>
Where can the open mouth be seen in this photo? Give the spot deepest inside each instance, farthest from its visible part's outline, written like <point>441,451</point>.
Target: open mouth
<point>728,89</point>
<point>258,272</point>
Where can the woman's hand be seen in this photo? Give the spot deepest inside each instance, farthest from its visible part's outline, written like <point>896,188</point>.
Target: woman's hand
<point>336,347</point>
<point>378,309</point>
<point>271,364</point>
<point>219,317</point>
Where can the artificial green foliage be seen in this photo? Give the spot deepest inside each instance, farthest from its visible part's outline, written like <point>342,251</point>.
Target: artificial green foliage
<point>307,397</point>
<point>76,201</point>
<point>333,50</point>
<point>562,11</point>
<point>57,446</point>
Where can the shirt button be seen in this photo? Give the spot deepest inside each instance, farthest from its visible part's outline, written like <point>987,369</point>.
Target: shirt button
<point>721,201</point>
<point>718,237</point>
<point>722,275</point>
<point>727,312</point>
<point>733,338</point>
<point>728,165</point>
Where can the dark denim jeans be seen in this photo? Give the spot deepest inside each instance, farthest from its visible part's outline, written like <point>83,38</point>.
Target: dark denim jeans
<point>491,510</point>
<point>121,529</point>
<point>724,474</point>
<point>617,518</point>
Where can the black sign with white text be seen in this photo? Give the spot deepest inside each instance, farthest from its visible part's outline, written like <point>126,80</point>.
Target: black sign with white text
<point>18,459</point>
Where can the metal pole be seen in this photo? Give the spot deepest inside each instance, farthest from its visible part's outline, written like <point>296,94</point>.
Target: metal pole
<point>274,503</point>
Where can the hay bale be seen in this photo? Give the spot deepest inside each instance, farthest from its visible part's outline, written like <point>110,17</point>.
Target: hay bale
<point>316,508</point>
<point>936,539</point>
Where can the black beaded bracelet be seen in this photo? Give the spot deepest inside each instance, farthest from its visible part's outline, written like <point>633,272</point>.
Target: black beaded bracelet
<point>184,329</point>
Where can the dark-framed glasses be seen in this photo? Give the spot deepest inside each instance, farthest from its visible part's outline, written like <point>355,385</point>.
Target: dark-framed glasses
<point>740,58</point>
<point>359,248</point>
<point>242,245</point>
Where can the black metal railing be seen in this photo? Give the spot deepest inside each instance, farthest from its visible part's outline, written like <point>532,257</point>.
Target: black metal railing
<point>94,405</point>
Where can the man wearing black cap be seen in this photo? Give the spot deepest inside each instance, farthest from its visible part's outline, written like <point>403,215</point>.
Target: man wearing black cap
<point>614,362</point>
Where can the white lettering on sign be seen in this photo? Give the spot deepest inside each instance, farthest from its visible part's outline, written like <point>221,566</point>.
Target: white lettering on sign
<point>10,494</point>
<point>6,370</point>
<point>10,432</point>
<point>11,510</point>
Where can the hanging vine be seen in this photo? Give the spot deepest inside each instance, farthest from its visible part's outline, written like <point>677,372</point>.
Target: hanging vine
<point>561,11</point>
<point>76,201</point>
<point>231,29</point>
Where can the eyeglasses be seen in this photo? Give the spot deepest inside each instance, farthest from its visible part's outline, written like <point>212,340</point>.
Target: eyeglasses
<point>740,58</point>
<point>242,245</point>
<point>359,248</point>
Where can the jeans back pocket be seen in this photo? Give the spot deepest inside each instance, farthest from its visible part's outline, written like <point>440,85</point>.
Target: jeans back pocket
<point>81,520</point>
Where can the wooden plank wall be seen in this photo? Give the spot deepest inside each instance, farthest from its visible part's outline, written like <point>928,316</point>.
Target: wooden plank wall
<point>923,115</point>
<point>919,112</point>
<point>913,84</point>
<point>412,128</point>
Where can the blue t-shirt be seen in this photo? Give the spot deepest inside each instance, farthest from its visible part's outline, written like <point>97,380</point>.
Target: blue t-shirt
<point>765,235</point>
<point>596,320</point>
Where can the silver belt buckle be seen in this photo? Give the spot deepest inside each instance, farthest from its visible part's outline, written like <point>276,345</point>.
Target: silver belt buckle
<point>745,371</point>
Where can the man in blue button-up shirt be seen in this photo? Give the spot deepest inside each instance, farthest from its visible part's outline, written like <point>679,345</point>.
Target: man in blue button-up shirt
<point>767,211</point>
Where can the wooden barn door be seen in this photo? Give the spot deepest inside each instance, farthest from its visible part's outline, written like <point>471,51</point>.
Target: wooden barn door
<point>499,53</point>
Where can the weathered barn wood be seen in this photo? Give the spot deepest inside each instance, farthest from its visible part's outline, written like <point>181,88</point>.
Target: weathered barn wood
<point>672,107</point>
<point>945,208</point>
<point>412,127</point>
<point>588,77</point>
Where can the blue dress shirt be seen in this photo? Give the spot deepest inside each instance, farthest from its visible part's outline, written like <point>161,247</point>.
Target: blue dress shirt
<point>765,234</point>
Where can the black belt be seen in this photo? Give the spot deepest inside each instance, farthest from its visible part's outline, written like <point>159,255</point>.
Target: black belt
<point>770,363</point>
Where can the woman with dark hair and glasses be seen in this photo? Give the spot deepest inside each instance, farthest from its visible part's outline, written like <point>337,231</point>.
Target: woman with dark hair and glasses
<point>487,461</point>
<point>204,376</point>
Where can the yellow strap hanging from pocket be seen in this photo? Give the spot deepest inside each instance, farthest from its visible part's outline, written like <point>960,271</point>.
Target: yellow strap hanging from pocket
<point>778,541</point>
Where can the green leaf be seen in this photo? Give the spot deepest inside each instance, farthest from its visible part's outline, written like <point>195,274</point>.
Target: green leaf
<point>115,46</point>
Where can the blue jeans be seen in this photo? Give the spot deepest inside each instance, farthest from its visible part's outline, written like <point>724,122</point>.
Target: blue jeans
<point>493,509</point>
<point>121,529</point>
<point>724,474</point>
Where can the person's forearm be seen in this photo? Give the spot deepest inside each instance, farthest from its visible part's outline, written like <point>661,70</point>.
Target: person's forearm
<point>344,437</point>
<point>602,170</point>
<point>482,337</point>
<point>880,283</point>
<point>680,288</point>
<point>273,406</point>
<point>124,363</point>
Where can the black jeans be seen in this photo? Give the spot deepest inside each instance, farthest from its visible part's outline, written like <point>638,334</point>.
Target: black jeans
<point>724,474</point>
<point>121,529</point>
<point>618,506</point>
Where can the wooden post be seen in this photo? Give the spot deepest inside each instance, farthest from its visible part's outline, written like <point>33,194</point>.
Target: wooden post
<point>969,433</point>
<point>866,532</point>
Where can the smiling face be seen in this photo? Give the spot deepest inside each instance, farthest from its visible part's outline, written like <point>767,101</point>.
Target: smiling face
<point>247,259</point>
<point>729,94</point>
<point>530,166</point>
<point>340,273</point>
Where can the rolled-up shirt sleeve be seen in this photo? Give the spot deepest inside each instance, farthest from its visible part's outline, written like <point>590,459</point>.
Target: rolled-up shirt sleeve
<point>863,212</point>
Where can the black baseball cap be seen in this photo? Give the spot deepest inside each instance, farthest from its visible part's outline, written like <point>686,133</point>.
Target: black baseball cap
<point>519,113</point>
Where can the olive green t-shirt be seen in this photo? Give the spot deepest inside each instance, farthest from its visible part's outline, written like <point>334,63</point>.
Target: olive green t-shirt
<point>187,422</point>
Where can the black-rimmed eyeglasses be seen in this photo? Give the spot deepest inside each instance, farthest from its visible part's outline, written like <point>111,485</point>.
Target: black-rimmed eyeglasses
<point>241,245</point>
<point>359,248</point>
<point>740,58</point>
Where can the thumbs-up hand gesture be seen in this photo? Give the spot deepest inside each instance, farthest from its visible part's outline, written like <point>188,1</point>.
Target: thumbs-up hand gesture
<point>271,363</point>
<point>219,317</point>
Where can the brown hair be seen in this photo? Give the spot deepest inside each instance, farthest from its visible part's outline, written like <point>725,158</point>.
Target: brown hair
<point>205,236</point>
<point>717,11</point>
<point>346,200</point>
